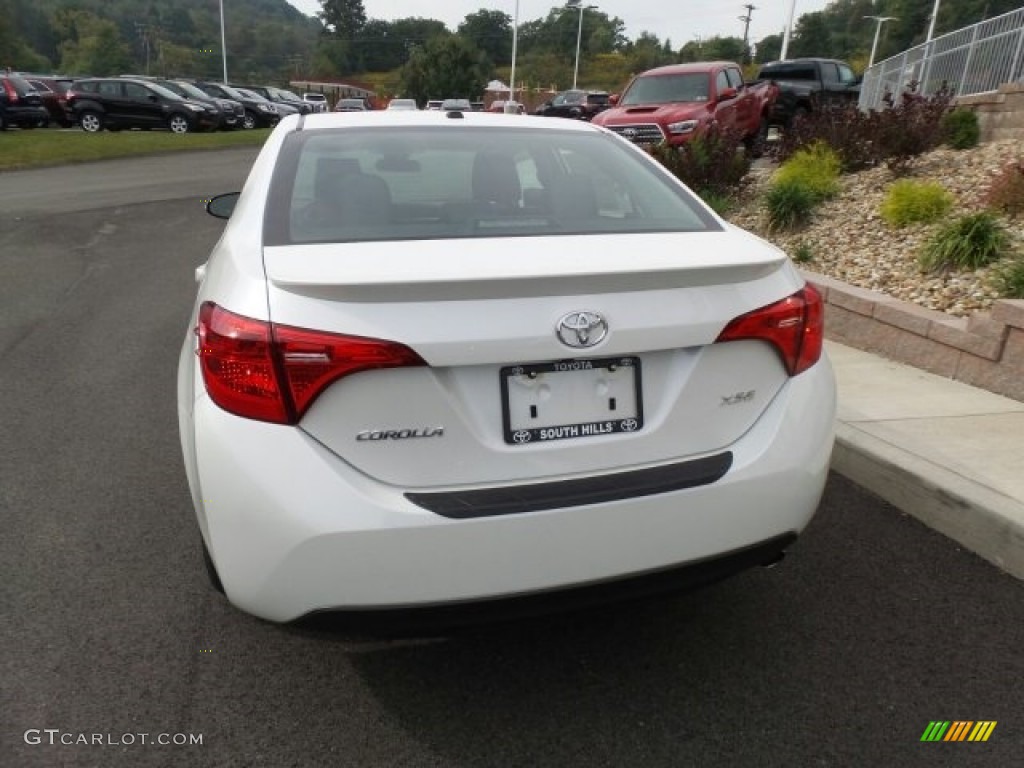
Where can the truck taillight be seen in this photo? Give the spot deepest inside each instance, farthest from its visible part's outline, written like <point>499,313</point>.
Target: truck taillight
<point>795,326</point>
<point>271,372</point>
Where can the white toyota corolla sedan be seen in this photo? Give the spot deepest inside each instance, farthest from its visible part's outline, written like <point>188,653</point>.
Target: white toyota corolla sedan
<point>440,359</point>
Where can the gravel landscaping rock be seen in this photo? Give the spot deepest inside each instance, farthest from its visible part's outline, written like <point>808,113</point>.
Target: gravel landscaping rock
<point>848,240</point>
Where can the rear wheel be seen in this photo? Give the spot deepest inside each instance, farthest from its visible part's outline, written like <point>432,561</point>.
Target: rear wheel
<point>91,122</point>
<point>756,142</point>
<point>179,124</point>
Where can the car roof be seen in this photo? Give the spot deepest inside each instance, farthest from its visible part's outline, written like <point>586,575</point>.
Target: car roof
<point>419,118</point>
<point>692,67</point>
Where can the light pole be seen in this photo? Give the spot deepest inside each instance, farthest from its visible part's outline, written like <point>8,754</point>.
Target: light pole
<point>789,30</point>
<point>223,45</point>
<point>931,24</point>
<point>578,5</point>
<point>879,21</point>
<point>510,105</point>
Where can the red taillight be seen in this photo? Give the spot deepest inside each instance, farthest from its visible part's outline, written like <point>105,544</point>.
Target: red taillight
<point>273,372</point>
<point>12,92</point>
<point>795,326</point>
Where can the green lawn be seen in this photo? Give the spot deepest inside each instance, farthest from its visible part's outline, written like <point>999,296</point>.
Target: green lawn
<point>41,147</point>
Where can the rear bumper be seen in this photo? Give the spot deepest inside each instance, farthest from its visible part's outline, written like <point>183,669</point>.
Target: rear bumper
<point>29,115</point>
<point>451,615</point>
<point>293,529</point>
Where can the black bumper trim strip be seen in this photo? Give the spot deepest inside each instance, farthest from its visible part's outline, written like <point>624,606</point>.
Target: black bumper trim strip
<point>511,500</point>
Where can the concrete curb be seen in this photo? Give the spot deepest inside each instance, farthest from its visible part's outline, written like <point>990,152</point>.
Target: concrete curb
<point>981,519</point>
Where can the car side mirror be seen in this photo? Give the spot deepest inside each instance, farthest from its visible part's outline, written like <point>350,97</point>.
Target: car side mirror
<point>727,93</point>
<point>221,206</point>
<point>613,99</point>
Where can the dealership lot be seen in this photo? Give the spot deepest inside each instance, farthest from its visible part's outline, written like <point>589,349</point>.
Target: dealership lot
<point>873,627</point>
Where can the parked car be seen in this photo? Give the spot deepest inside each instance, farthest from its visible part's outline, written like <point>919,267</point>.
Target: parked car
<point>807,84</point>
<point>281,96</point>
<point>20,104</point>
<point>351,105</point>
<point>318,100</point>
<point>230,113</point>
<point>675,103</point>
<point>116,103</point>
<point>435,103</point>
<point>403,104</point>
<point>401,386</point>
<point>512,107</point>
<point>259,113</point>
<point>457,105</point>
<point>52,90</point>
<point>577,104</point>
<point>282,108</point>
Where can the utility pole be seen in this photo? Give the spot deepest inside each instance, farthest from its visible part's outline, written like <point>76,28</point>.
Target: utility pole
<point>746,29</point>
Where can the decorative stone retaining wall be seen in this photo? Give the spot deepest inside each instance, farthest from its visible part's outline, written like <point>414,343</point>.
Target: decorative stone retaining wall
<point>1000,113</point>
<point>985,350</point>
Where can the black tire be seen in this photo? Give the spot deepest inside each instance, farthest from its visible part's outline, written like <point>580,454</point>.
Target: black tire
<point>249,121</point>
<point>3,122</point>
<point>90,121</point>
<point>178,123</point>
<point>211,570</point>
<point>756,143</point>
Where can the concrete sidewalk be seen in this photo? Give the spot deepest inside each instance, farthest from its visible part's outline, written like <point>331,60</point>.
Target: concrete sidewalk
<point>947,453</point>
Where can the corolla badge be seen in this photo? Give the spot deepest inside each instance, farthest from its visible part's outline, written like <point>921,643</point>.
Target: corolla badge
<point>581,329</point>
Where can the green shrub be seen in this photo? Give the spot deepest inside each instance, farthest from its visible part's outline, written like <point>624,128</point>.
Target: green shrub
<point>961,129</point>
<point>803,254</point>
<point>1007,191</point>
<point>909,202</point>
<point>1009,278</point>
<point>789,205</point>
<point>969,242</point>
<point>719,203</point>
<point>713,164</point>
<point>816,167</point>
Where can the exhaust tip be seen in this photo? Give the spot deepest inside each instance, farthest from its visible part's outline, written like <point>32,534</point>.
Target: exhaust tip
<point>774,561</point>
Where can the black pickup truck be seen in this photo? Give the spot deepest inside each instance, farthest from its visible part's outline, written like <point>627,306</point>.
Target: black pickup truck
<point>807,84</point>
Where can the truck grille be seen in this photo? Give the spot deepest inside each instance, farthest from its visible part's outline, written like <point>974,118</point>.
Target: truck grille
<point>642,133</point>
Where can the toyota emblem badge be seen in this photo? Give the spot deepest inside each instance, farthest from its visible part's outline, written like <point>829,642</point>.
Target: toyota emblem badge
<point>581,329</point>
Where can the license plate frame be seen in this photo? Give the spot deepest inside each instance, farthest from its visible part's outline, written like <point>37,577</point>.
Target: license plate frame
<point>586,372</point>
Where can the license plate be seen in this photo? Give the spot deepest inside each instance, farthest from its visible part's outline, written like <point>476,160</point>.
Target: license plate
<point>571,399</point>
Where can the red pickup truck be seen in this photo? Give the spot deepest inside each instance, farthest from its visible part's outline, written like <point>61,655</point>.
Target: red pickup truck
<point>676,103</point>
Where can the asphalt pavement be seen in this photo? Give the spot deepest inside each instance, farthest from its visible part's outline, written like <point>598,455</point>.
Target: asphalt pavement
<point>874,626</point>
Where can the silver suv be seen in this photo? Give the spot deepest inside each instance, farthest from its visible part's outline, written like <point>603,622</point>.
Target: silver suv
<point>317,100</point>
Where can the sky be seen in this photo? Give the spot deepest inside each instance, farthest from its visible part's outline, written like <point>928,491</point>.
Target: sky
<point>678,20</point>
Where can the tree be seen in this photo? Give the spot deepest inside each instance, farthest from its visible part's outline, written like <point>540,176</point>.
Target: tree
<point>491,32</point>
<point>647,52</point>
<point>343,18</point>
<point>97,48</point>
<point>769,49</point>
<point>812,36</point>
<point>445,67</point>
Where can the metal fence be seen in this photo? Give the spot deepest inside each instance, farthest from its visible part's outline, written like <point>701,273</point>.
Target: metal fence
<point>974,59</point>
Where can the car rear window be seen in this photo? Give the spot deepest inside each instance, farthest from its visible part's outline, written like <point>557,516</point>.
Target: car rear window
<point>355,184</point>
